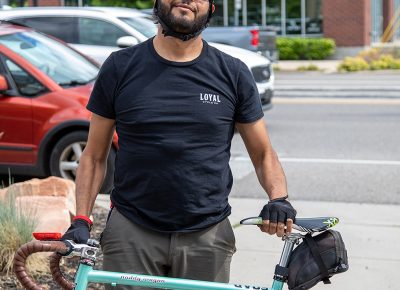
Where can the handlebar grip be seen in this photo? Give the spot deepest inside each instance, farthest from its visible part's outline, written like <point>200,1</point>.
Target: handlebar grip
<point>19,266</point>
<point>56,272</point>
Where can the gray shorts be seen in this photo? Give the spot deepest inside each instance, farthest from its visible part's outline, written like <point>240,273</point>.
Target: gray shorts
<point>202,255</point>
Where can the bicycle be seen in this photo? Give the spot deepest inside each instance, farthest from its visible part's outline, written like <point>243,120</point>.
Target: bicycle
<point>87,253</point>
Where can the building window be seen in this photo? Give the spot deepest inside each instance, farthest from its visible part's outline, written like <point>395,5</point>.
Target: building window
<point>397,23</point>
<point>273,15</point>
<point>313,17</point>
<point>286,17</point>
<point>376,20</point>
<point>293,17</point>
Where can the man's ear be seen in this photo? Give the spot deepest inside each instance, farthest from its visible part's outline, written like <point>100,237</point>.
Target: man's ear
<point>212,8</point>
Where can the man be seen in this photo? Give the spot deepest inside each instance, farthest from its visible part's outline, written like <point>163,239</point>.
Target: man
<point>175,102</point>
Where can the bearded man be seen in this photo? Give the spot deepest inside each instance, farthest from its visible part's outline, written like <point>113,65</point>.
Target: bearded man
<point>175,102</point>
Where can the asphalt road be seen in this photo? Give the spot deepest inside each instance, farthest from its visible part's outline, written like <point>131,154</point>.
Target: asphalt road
<point>331,150</point>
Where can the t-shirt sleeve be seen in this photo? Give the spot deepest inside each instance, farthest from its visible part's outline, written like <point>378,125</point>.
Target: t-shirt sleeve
<point>101,101</point>
<point>249,107</point>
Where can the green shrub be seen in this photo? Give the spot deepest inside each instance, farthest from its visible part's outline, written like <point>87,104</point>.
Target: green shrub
<point>386,61</point>
<point>305,48</point>
<point>16,229</point>
<point>286,49</point>
<point>310,67</point>
<point>373,59</point>
<point>353,64</point>
<point>377,65</point>
<point>370,55</point>
<point>395,64</point>
<point>276,67</point>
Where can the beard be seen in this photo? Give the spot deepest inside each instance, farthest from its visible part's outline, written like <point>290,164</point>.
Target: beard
<point>181,24</point>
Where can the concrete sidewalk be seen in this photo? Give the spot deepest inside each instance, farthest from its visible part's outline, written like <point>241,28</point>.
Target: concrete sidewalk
<point>326,66</point>
<point>371,234</point>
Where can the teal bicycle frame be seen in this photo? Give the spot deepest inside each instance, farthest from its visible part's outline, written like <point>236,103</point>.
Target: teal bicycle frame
<point>86,274</point>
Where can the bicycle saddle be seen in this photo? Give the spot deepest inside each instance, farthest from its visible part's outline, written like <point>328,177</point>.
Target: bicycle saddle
<point>309,225</point>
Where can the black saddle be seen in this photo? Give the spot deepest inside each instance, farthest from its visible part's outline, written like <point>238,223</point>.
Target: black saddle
<point>309,225</point>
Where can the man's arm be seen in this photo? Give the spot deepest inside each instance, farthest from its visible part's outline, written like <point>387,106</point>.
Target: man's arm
<point>93,163</point>
<point>266,163</point>
<point>268,169</point>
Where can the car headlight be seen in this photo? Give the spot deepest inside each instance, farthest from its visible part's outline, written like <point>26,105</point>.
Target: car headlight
<point>262,73</point>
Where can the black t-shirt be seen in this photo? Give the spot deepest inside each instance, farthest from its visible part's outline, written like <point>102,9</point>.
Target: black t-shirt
<point>175,122</point>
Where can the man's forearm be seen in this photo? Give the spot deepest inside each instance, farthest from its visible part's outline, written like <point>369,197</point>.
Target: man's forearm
<point>90,176</point>
<point>271,175</point>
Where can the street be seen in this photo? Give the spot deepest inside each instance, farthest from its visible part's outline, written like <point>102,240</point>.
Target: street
<point>331,150</point>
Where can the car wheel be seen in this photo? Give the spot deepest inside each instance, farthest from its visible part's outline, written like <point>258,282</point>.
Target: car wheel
<point>65,156</point>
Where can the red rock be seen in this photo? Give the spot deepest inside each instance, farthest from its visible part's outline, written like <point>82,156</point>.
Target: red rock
<point>3,193</point>
<point>51,186</point>
<point>50,212</point>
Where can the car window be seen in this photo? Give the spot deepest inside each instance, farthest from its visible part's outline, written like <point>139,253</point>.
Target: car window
<point>144,25</point>
<point>62,64</point>
<point>63,28</point>
<point>26,84</point>
<point>98,32</point>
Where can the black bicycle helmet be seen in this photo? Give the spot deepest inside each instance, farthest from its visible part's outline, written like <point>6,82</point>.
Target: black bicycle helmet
<point>168,31</point>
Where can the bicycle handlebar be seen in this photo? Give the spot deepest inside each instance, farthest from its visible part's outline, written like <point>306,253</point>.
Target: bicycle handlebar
<point>57,247</point>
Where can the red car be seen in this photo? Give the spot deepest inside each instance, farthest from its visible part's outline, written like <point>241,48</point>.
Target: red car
<point>44,88</point>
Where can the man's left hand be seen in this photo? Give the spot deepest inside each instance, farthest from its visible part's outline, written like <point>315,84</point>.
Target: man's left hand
<point>277,214</point>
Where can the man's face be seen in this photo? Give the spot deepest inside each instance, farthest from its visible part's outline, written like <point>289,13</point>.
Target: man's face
<point>184,16</point>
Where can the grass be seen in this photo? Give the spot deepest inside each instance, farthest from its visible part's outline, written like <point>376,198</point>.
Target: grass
<point>16,227</point>
<point>10,180</point>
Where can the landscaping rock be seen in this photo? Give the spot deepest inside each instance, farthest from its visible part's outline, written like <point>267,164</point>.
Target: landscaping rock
<point>49,187</point>
<point>51,212</point>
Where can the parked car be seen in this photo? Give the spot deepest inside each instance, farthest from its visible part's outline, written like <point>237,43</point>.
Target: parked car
<point>44,88</point>
<point>97,31</point>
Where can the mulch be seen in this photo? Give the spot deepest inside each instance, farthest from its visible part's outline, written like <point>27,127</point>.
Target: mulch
<point>68,266</point>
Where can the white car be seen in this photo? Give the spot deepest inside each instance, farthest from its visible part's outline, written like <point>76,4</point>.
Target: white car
<point>98,31</point>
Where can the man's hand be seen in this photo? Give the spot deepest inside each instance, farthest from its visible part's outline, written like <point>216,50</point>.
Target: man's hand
<point>79,231</point>
<point>276,214</point>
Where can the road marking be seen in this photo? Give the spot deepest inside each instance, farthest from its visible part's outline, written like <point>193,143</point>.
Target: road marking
<point>326,160</point>
<point>335,101</point>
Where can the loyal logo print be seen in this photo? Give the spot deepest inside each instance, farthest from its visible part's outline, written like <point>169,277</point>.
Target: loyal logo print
<point>210,99</point>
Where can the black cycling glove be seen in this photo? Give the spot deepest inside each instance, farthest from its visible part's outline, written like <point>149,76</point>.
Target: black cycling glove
<point>79,231</point>
<point>278,210</point>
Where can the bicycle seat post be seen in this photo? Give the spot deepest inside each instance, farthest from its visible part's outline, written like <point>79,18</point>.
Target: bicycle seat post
<point>290,241</point>
<point>281,270</point>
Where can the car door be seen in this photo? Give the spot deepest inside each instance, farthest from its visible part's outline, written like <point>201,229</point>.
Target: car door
<point>16,128</point>
<point>97,38</point>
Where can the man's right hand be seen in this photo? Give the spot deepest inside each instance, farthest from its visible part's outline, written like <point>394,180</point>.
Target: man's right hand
<point>79,231</point>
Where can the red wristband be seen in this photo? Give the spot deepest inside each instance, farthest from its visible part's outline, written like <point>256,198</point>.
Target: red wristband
<point>83,217</point>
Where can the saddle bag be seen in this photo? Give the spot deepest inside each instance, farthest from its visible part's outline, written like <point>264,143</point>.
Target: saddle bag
<point>317,259</point>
